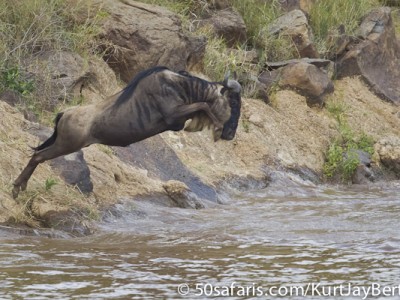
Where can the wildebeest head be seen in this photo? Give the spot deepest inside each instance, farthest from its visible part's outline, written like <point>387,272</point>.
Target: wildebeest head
<point>225,105</point>
<point>231,90</point>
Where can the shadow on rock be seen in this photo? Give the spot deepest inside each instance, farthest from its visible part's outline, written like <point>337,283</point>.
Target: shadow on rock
<point>161,161</point>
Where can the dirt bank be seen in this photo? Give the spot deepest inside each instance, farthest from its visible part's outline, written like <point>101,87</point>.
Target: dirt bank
<point>287,134</point>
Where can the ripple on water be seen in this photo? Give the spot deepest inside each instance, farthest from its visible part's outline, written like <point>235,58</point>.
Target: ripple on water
<point>278,235</point>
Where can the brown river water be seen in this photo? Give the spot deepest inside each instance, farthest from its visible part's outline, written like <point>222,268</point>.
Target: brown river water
<point>293,241</point>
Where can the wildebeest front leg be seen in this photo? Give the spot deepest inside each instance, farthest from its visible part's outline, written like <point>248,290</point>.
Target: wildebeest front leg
<point>186,110</point>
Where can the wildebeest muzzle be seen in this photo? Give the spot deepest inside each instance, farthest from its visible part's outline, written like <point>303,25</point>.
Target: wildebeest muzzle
<point>232,88</point>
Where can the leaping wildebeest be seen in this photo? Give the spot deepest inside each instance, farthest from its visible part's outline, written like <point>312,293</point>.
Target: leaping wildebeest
<point>156,100</point>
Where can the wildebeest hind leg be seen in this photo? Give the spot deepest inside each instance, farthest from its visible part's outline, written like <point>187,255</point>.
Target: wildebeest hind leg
<point>38,157</point>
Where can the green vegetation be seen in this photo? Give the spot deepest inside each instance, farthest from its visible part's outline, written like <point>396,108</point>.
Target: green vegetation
<point>395,3</point>
<point>396,20</point>
<point>342,158</point>
<point>28,29</point>
<point>31,28</point>
<point>327,16</point>
<point>12,80</point>
<point>50,182</point>
<point>217,59</point>
<point>258,16</point>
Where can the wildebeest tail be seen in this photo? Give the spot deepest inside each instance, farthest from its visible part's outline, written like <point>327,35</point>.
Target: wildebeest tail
<point>50,141</point>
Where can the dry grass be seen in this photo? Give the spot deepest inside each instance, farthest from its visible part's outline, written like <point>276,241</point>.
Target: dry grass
<point>30,28</point>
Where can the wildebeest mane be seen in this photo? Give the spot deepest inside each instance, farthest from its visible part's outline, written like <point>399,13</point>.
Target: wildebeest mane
<point>130,88</point>
<point>200,84</point>
<point>193,78</point>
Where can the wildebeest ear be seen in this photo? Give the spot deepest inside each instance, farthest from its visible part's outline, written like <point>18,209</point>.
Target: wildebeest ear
<point>223,90</point>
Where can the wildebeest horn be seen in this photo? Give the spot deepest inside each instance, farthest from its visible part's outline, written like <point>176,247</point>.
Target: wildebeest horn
<point>226,78</point>
<point>234,86</point>
<point>229,84</point>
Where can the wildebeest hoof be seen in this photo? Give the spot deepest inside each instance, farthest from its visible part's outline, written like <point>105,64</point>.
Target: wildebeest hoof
<point>15,191</point>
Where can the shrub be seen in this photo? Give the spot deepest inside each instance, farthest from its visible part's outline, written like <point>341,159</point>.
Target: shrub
<point>334,158</point>
<point>349,164</point>
<point>342,157</point>
<point>366,143</point>
<point>12,79</point>
<point>341,161</point>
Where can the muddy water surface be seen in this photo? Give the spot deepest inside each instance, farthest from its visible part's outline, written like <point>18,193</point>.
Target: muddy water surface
<point>260,241</point>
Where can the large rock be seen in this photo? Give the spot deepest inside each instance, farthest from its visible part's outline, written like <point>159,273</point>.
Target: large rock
<point>388,150</point>
<point>295,25</point>
<point>363,174</point>
<point>146,35</point>
<point>377,57</point>
<point>14,98</point>
<point>63,76</point>
<point>309,80</point>
<point>74,170</point>
<point>182,195</point>
<point>229,25</point>
<point>305,78</point>
<point>324,64</point>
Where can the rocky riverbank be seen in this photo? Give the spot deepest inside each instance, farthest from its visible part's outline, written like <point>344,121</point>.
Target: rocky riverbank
<point>290,131</point>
